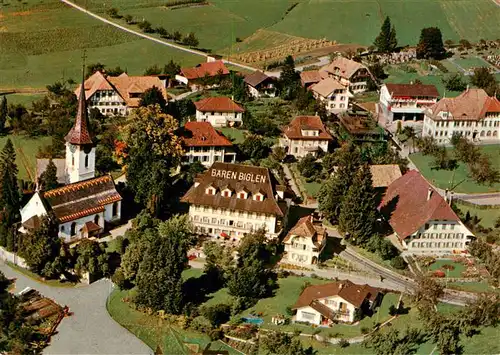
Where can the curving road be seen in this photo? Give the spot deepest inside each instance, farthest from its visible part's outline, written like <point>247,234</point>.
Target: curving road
<point>90,330</point>
<point>151,38</point>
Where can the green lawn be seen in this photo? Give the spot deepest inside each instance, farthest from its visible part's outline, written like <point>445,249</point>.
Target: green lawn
<point>26,150</point>
<point>471,62</point>
<point>24,99</point>
<point>238,135</point>
<point>455,273</point>
<point>487,216</point>
<point>32,275</point>
<point>457,179</point>
<point>482,286</point>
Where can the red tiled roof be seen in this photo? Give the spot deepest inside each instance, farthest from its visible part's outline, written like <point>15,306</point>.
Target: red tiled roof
<point>412,90</point>
<point>351,292</point>
<point>218,104</point>
<point>202,134</point>
<point>306,229</point>
<point>407,207</point>
<point>203,69</point>
<point>256,78</point>
<point>343,67</point>
<point>299,123</point>
<point>310,77</point>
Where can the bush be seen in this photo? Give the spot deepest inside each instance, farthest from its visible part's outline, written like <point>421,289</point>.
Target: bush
<point>217,314</point>
<point>439,273</point>
<point>365,330</point>
<point>343,343</point>
<point>398,263</point>
<point>393,310</point>
<point>119,280</point>
<point>289,311</point>
<point>201,324</point>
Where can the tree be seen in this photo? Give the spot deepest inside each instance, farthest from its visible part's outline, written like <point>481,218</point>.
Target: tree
<point>378,72</point>
<point>3,113</point>
<point>162,31</point>
<point>153,70</point>
<point>113,13</point>
<point>289,81</point>
<point>255,147</point>
<point>386,41</point>
<point>128,19</point>
<point>48,179</point>
<point>145,26</point>
<point>152,150</point>
<point>431,44</point>
<point>159,279</point>
<point>190,40</point>
<point>252,278</point>
<point>358,211</point>
<point>427,293</point>
<point>279,153</point>
<point>391,342</point>
<point>219,262</point>
<point>40,248</point>
<point>171,69</point>
<point>92,258</point>
<point>483,172</point>
<point>177,36</point>
<point>483,79</point>
<point>454,82</point>
<point>153,96</point>
<point>92,68</point>
<point>278,343</point>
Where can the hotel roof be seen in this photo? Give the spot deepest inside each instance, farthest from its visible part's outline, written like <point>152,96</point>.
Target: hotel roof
<point>202,134</point>
<point>218,104</point>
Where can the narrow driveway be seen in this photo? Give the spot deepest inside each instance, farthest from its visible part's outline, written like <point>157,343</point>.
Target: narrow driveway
<point>151,38</point>
<point>90,329</point>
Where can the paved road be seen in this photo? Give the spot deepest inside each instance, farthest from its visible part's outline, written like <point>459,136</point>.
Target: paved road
<point>151,38</point>
<point>90,330</point>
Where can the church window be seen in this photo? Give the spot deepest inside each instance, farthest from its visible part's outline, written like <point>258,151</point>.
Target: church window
<point>72,160</point>
<point>86,160</point>
<point>62,229</point>
<point>115,209</point>
<point>96,219</point>
<point>73,228</point>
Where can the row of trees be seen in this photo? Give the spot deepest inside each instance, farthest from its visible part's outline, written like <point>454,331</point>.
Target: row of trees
<point>481,78</point>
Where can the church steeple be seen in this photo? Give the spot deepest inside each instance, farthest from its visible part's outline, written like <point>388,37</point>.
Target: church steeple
<point>79,133</point>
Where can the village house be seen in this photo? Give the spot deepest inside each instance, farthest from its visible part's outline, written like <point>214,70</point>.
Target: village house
<point>230,200</point>
<point>341,301</point>
<point>311,77</point>
<point>203,75</point>
<point>332,94</point>
<point>353,75</point>
<point>406,102</point>
<point>305,135</point>
<point>424,223</point>
<point>259,84</point>
<point>87,203</point>
<point>205,144</point>
<point>219,111</point>
<point>473,115</point>
<point>117,95</point>
<point>305,242</point>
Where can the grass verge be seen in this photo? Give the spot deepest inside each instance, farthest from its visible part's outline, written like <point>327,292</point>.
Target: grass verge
<point>33,276</point>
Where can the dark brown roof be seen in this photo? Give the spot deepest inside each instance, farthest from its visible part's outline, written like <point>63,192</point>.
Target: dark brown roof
<point>256,78</point>
<point>351,292</point>
<point>236,177</point>
<point>407,207</point>
<point>79,134</point>
<point>299,123</point>
<point>209,69</point>
<point>412,90</point>
<point>218,104</point>
<point>310,77</point>
<point>32,223</point>
<point>306,229</point>
<point>82,198</point>
<point>202,134</point>
<point>90,227</point>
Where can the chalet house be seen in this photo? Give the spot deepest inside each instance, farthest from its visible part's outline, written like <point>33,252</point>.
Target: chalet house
<point>259,84</point>
<point>340,301</point>
<point>205,144</point>
<point>202,75</point>
<point>473,114</point>
<point>333,94</point>
<point>305,242</point>
<point>305,135</point>
<point>117,95</point>
<point>311,77</point>
<point>352,74</point>
<point>219,111</point>
<point>406,102</point>
<point>230,200</point>
<point>86,203</point>
<point>422,220</point>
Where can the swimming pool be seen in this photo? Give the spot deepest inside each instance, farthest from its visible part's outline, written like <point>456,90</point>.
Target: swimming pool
<point>253,320</point>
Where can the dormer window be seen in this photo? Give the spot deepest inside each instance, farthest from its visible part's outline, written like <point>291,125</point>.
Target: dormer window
<point>243,194</point>
<point>226,192</point>
<point>259,196</point>
<point>211,190</point>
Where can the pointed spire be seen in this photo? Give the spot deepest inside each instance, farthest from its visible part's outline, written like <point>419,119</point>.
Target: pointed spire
<point>79,133</point>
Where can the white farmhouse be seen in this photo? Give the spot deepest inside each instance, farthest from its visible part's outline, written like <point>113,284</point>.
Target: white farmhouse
<point>406,102</point>
<point>332,94</point>
<point>86,203</point>
<point>305,242</point>
<point>422,220</point>
<point>219,111</point>
<point>117,95</point>
<point>259,84</point>
<point>473,115</point>
<point>205,144</point>
<point>305,135</point>
<point>335,302</point>
<point>352,74</point>
<point>230,200</point>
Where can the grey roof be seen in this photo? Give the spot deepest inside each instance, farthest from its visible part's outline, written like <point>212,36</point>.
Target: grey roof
<point>41,165</point>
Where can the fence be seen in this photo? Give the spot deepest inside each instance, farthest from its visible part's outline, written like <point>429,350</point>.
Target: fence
<point>12,258</point>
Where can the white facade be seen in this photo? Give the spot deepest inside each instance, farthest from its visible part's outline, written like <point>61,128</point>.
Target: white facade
<point>209,155</point>
<point>300,250</point>
<point>345,311</point>
<point>109,102</point>
<point>34,207</point>
<point>299,148</point>
<point>80,162</point>
<point>438,238</point>
<point>269,90</point>
<point>476,130</point>
<point>220,119</point>
<point>406,109</point>
<point>235,224</point>
<point>337,101</point>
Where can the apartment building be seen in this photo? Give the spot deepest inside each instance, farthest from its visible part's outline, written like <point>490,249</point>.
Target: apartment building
<point>332,94</point>
<point>305,135</point>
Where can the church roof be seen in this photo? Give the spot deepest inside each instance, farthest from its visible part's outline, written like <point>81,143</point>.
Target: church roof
<point>82,198</point>
<point>79,133</point>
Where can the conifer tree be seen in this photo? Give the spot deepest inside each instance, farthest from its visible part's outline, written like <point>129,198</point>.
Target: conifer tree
<point>48,179</point>
<point>3,113</point>
<point>358,212</point>
<point>386,41</point>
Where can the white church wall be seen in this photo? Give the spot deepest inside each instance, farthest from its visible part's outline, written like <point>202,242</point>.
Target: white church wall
<point>75,163</point>
<point>34,207</point>
<point>108,212</point>
<point>65,228</point>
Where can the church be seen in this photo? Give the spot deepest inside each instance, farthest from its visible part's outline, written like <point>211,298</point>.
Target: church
<point>85,204</point>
